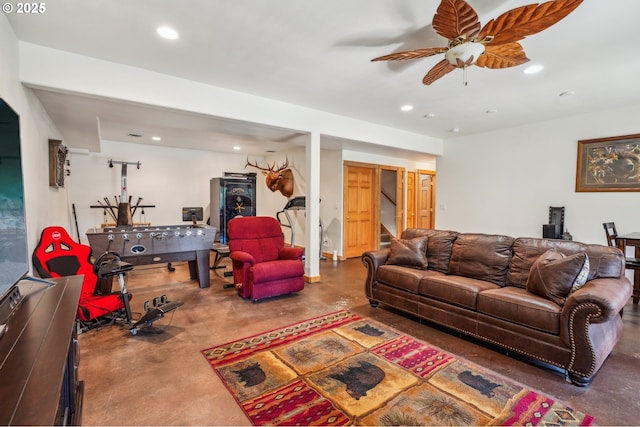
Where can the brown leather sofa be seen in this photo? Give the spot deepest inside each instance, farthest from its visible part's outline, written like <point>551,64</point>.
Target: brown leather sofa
<point>477,284</point>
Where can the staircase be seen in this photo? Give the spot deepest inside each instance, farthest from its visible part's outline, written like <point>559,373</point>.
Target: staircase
<point>385,237</point>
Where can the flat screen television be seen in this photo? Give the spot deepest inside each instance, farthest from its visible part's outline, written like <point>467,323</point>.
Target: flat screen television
<point>14,259</point>
<point>193,214</point>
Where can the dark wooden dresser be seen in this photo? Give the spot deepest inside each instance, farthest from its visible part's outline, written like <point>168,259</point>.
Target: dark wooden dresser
<point>39,357</point>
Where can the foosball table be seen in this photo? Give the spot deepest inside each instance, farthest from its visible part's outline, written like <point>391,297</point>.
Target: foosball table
<point>158,244</point>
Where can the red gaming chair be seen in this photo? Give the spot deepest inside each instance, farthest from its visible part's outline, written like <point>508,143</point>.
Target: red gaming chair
<point>57,254</point>
<point>262,266</point>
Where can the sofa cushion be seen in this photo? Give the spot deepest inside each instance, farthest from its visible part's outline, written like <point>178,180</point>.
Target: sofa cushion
<point>439,246</point>
<point>481,256</point>
<point>402,277</point>
<point>458,290</point>
<point>522,307</point>
<point>408,252</point>
<point>604,261</point>
<point>553,274</point>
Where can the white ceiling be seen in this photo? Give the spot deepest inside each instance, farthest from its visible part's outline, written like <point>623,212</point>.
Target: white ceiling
<point>316,53</point>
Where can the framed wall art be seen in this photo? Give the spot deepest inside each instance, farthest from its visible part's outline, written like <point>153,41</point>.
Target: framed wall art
<point>609,164</point>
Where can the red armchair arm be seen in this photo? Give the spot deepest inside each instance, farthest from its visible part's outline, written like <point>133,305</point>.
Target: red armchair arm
<point>242,257</point>
<point>242,262</point>
<point>290,253</point>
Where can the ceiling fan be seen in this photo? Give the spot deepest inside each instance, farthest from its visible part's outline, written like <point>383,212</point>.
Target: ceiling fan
<point>493,46</point>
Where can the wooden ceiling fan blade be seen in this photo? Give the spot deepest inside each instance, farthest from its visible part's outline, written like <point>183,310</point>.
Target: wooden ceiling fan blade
<point>411,54</point>
<point>502,56</point>
<point>455,18</point>
<point>440,69</point>
<point>524,21</point>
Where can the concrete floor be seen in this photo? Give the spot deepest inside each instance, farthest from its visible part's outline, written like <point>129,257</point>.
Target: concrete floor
<point>160,377</point>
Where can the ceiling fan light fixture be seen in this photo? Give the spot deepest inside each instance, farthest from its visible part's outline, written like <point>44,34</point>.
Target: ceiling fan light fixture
<point>464,52</point>
<point>458,22</point>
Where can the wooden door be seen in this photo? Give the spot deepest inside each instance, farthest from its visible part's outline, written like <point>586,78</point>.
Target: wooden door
<point>426,199</point>
<point>359,210</point>
<point>411,199</point>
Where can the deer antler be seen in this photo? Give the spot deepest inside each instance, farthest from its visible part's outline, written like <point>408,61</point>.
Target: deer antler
<point>255,165</point>
<point>284,165</point>
<point>268,168</point>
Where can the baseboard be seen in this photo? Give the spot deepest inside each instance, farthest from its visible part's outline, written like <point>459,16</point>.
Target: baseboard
<point>311,279</point>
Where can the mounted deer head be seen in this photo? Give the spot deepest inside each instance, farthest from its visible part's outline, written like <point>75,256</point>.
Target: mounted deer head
<point>280,179</point>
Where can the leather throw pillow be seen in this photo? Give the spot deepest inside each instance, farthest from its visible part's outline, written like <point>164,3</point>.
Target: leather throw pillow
<point>408,252</point>
<point>582,276</point>
<point>553,274</point>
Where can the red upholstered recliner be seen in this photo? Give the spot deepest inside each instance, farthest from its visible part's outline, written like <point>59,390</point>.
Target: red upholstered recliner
<point>57,254</point>
<point>262,266</point>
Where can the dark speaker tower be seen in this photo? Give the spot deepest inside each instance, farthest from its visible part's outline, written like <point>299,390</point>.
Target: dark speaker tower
<point>231,197</point>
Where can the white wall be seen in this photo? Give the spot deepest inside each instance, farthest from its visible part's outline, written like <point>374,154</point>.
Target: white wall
<point>504,182</point>
<point>44,205</point>
<point>331,195</point>
<point>169,178</point>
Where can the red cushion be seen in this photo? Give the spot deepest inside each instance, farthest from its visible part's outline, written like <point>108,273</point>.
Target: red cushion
<point>57,254</point>
<point>96,306</point>
<point>261,236</point>
<point>271,270</point>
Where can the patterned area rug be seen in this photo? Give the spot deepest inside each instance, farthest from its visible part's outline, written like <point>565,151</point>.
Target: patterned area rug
<point>342,369</point>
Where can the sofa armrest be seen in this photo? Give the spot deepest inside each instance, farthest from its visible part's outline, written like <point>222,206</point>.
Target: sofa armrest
<point>591,325</point>
<point>290,253</point>
<point>373,260</point>
<point>609,294</point>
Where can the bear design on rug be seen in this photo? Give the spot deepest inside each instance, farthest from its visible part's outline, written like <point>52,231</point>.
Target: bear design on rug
<point>484,386</point>
<point>360,379</point>
<point>251,375</point>
<point>369,330</point>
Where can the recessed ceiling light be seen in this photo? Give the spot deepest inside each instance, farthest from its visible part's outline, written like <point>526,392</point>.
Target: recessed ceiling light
<point>236,147</point>
<point>532,69</point>
<point>454,130</point>
<point>568,93</point>
<point>430,115</point>
<point>156,138</point>
<point>167,33</point>
<point>406,107</point>
<point>135,135</point>
<point>492,111</point>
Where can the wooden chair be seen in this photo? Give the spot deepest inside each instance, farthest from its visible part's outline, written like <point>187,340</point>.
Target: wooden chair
<point>630,263</point>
